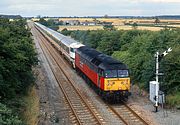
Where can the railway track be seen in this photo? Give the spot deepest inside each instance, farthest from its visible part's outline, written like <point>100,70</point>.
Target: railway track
<point>127,115</point>
<point>82,111</point>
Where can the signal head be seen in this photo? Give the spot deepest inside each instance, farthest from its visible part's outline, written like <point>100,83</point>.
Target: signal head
<point>169,50</point>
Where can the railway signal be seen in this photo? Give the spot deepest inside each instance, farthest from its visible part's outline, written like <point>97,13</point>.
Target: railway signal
<point>164,54</point>
<point>158,59</point>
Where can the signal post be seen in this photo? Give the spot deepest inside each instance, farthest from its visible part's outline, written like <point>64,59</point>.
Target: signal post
<point>158,58</point>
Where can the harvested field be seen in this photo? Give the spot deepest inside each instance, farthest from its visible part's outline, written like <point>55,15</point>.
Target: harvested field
<point>139,28</point>
<point>120,21</point>
<point>81,27</point>
<point>123,27</point>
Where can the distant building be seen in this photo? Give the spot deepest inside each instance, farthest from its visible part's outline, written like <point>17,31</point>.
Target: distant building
<point>71,22</point>
<point>88,23</point>
<point>56,21</point>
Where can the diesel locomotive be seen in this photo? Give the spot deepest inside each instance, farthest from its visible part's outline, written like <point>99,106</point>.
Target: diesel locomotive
<point>110,76</point>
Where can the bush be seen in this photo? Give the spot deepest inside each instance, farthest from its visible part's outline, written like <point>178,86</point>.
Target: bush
<point>7,117</point>
<point>17,56</point>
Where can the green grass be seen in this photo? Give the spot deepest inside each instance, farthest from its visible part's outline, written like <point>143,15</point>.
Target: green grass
<point>174,100</point>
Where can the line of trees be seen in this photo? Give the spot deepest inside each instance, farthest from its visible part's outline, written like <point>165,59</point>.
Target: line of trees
<point>17,57</point>
<point>136,48</point>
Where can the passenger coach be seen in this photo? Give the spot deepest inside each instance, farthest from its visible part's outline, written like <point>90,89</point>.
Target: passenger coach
<point>66,45</point>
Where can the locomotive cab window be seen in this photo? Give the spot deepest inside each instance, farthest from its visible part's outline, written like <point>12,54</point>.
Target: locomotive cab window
<point>123,73</point>
<point>111,73</point>
<point>101,72</point>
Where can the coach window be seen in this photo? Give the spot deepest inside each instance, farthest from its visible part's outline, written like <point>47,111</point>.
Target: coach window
<point>63,46</point>
<point>67,49</point>
<point>72,50</point>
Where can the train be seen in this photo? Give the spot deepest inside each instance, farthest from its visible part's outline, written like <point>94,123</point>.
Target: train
<point>109,76</point>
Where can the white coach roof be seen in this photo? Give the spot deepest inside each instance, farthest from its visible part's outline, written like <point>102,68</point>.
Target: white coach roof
<point>64,39</point>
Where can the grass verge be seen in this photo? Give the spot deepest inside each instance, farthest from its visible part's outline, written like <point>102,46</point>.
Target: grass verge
<point>174,100</point>
<point>31,113</point>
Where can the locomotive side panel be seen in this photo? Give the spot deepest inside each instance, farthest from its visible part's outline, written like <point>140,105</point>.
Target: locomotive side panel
<point>102,83</point>
<point>81,65</point>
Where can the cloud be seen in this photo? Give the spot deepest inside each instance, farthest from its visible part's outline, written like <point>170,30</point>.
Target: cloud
<point>157,1</point>
<point>89,7</point>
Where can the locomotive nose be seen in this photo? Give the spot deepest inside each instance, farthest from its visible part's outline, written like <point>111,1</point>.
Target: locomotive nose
<point>117,84</point>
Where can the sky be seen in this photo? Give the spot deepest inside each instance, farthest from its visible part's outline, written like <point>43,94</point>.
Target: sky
<point>33,8</point>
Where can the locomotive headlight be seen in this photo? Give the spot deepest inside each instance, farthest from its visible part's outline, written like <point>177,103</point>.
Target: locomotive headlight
<point>120,88</point>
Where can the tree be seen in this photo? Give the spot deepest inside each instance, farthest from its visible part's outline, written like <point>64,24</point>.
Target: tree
<point>157,20</point>
<point>38,16</point>
<point>108,27</point>
<point>106,16</point>
<point>66,32</point>
<point>43,21</point>
<point>17,56</point>
<point>134,25</point>
<point>109,42</point>
<point>7,117</point>
<point>96,21</point>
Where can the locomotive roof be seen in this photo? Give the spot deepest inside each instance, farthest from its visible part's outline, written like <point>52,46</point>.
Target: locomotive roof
<point>64,39</point>
<point>99,59</point>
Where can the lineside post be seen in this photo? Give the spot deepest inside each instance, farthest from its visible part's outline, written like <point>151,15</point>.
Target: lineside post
<point>157,82</point>
<point>158,58</point>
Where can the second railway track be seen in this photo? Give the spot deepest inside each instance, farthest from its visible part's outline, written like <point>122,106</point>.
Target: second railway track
<point>127,115</point>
